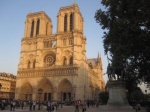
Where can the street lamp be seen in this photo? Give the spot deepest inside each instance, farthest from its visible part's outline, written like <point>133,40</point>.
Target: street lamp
<point>61,98</point>
<point>0,86</point>
<point>146,96</point>
<point>40,91</point>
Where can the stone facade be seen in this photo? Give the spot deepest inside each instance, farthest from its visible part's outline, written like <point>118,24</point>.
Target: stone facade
<point>8,85</point>
<point>57,63</point>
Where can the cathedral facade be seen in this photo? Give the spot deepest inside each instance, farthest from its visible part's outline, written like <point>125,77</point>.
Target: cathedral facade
<point>56,64</point>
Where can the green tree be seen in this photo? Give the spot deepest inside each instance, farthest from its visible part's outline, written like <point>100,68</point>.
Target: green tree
<point>126,38</point>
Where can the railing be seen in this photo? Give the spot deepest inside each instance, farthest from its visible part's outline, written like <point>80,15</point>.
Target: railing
<point>51,72</point>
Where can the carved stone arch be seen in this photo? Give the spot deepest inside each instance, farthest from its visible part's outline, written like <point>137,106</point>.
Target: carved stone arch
<point>30,60</point>
<point>26,91</point>
<point>47,52</point>
<point>48,90</point>
<point>65,85</point>
<point>45,84</point>
<point>67,53</point>
<point>65,90</point>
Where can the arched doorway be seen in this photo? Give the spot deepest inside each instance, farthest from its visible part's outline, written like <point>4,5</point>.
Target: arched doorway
<point>26,92</point>
<point>65,90</point>
<point>47,90</point>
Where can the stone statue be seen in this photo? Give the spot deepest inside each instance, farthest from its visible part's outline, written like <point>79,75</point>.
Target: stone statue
<point>109,71</point>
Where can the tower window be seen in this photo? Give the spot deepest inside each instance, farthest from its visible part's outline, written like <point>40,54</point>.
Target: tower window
<point>71,21</point>
<point>28,66</point>
<point>48,43</point>
<point>46,28</point>
<point>37,27</point>
<point>32,29</point>
<point>34,64</point>
<point>64,42</point>
<point>65,61</point>
<point>65,23</point>
<point>70,41</point>
<point>71,60</point>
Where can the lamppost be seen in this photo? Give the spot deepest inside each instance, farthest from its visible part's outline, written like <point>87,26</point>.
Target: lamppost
<point>61,98</point>
<point>146,96</point>
<point>0,87</point>
<point>40,91</point>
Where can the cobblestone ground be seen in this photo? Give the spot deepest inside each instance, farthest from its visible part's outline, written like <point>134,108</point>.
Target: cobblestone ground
<point>72,109</point>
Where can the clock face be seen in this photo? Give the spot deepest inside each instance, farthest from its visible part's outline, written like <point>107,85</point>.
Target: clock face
<point>49,60</point>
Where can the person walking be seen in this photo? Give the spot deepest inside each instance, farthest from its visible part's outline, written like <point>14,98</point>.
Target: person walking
<point>138,107</point>
<point>14,105</point>
<point>48,106</point>
<point>34,104</point>
<point>22,104</point>
<point>77,106</point>
<point>83,106</point>
<point>31,104</point>
<point>11,105</point>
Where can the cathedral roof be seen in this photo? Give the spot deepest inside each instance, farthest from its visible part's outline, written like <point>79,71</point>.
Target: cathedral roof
<point>93,61</point>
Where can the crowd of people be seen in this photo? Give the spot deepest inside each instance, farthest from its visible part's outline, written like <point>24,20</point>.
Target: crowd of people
<point>50,105</point>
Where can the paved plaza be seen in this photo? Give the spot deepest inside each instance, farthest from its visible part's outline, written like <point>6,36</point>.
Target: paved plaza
<point>101,108</point>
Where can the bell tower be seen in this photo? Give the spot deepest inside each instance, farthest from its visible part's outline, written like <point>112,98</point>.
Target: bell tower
<point>69,19</point>
<point>70,35</point>
<point>37,24</point>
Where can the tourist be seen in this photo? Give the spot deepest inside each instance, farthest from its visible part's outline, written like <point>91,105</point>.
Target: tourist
<point>34,104</point>
<point>138,107</point>
<point>14,105</point>
<point>30,105</point>
<point>77,106</point>
<point>11,105</point>
<point>22,104</point>
<point>83,106</point>
<point>49,106</point>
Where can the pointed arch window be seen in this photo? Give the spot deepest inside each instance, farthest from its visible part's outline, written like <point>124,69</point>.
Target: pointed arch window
<point>32,29</point>
<point>64,42</point>
<point>71,60</point>
<point>65,23</point>
<point>47,28</point>
<point>70,41</point>
<point>37,27</point>
<point>28,66</point>
<point>65,61</point>
<point>34,63</point>
<point>71,21</point>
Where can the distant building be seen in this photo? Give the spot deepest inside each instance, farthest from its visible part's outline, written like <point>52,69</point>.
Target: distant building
<point>57,63</point>
<point>8,85</point>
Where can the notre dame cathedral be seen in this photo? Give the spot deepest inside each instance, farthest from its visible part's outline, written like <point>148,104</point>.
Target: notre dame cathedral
<point>56,64</point>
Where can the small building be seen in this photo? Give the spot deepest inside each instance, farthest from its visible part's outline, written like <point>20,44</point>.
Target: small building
<point>8,85</point>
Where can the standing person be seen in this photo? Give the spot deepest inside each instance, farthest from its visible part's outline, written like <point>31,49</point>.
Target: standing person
<point>11,105</point>
<point>22,104</point>
<point>138,107</point>
<point>83,106</point>
<point>31,103</point>
<point>14,104</point>
<point>77,106</point>
<point>34,104</point>
<point>88,104</point>
<point>48,106</point>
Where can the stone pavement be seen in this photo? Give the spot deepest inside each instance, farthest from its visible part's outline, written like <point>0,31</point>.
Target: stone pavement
<point>101,108</point>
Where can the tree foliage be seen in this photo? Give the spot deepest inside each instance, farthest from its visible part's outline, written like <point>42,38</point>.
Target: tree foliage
<point>126,38</point>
